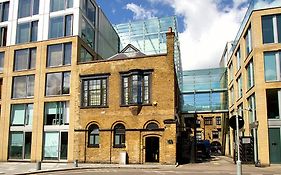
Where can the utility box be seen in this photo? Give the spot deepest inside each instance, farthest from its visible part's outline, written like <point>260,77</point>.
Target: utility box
<point>123,158</point>
<point>247,149</point>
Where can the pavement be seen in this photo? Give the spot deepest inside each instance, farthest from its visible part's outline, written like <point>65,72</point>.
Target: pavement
<point>217,165</point>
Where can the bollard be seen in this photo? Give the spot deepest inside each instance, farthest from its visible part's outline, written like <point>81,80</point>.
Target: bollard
<point>75,163</point>
<point>38,165</point>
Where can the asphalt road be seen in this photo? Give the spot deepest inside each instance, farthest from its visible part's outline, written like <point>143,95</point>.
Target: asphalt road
<point>148,172</point>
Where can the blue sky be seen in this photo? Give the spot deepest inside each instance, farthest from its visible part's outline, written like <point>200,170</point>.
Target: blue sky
<point>117,12</point>
<point>204,25</point>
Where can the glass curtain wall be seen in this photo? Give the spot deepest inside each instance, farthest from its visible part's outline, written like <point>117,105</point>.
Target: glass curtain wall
<point>205,90</point>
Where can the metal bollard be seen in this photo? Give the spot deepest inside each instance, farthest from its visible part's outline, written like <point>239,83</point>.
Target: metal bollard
<point>38,165</point>
<point>75,163</point>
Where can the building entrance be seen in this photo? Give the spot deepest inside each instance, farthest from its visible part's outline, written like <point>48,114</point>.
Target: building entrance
<point>274,145</point>
<point>151,149</point>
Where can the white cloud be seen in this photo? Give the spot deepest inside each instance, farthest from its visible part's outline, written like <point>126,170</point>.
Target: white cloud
<point>207,29</point>
<point>140,12</point>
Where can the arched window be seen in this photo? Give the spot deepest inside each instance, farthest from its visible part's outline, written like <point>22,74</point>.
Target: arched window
<point>152,126</point>
<point>119,136</point>
<point>93,133</point>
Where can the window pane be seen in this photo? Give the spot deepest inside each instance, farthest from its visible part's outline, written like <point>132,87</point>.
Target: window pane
<point>2,54</point>
<point>64,143</point>
<point>19,87</point>
<point>56,27</point>
<point>270,66</point>
<point>117,139</point>
<point>267,29</point>
<point>272,104</point>
<point>91,12</point>
<point>68,25</point>
<point>53,84</point>
<point>85,55</point>
<point>51,145</point>
<point>27,145</point>
<point>16,145</point>
<point>30,86</point>
<point>55,55</point>
<point>57,5</point>
<point>279,27</point>
<point>21,59</point>
<point>5,11</point>
<point>69,3</point>
<point>34,30</point>
<point>51,111</point>
<point>66,83</point>
<point>18,114</point>
<point>35,7</point>
<point>88,33</point>
<point>24,8</point>
<point>3,36</point>
<point>23,33</point>
<point>96,139</point>
<point>29,114</point>
<point>32,58</point>
<point>67,53</point>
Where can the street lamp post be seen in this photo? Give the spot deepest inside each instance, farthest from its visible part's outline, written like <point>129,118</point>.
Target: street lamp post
<point>238,162</point>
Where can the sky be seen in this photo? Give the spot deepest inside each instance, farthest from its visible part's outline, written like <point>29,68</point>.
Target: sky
<point>204,26</point>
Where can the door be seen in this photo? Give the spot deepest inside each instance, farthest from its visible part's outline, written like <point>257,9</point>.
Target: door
<point>274,145</point>
<point>151,149</point>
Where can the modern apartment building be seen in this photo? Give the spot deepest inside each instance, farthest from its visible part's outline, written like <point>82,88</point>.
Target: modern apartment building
<point>254,80</point>
<point>68,94</point>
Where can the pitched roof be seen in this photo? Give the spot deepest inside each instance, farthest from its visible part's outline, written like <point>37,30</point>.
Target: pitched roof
<point>129,51</point>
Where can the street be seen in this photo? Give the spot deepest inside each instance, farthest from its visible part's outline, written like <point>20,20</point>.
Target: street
<point>152,171</point>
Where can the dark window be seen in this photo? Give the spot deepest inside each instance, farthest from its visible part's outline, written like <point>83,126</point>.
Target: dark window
<point>23,86</point>
<point>4,11</point>
<point>28,8</point>
<point>279,27</point>
<point>93,133</point>
<point>272,99</point>
<point>271,29</point>
<point>3,36</point>
<point>198,123</point>
<point>119,135</point>
<point>215,134</point>
<point>136,88</point>
<point>25,59</point>
<point>152,126</point>
<point>56,113</point>
<point>59,54</point>
<point>60,26</point>
<point>2,57</point>
<point>248,41</point>
<point>267,29</point>
<point>208,120</point>
<point>58,83</point>
<point>57,5</point>
<point>218,120</point>
<point>94,92</point>
<point>20,145</point>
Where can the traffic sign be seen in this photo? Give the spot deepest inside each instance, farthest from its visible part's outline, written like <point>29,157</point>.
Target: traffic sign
<point>232,122</point>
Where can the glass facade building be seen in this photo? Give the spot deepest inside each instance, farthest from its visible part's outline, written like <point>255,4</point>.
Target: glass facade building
<point>204,90</point>
<point>149,36</point>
